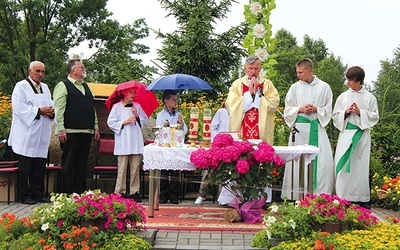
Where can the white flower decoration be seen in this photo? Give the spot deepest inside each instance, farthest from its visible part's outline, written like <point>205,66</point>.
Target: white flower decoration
<point>259,31</point>
<point>262,54</point>
<point>336,202</point>
<point>274,208</point>
<point>270,221</point>
<point>268,234</point>
<point>44,227</point>
<point>255,8</point>
<point>292,223</point>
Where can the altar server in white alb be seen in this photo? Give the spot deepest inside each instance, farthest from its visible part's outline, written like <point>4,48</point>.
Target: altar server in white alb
<point>126,120</point>
<point>354,114</point>
<point>32,116</point>
<point>308,107</point>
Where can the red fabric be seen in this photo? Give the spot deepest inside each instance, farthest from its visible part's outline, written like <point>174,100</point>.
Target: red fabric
<point>250,128</point>
<point>145,98</point>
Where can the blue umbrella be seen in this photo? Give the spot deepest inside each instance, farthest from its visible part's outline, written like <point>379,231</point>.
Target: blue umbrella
<point>179,82</point>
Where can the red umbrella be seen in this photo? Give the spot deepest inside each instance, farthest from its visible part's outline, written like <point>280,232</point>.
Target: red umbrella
<point>145,98</point>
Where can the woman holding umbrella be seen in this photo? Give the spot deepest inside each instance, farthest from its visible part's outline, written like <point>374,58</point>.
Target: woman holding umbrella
<point>126,120</point>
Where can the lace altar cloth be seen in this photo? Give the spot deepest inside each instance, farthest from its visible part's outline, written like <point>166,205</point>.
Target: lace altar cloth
<point>171,158</point>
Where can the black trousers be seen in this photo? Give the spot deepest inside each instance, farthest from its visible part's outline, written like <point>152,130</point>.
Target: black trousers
<point>31,177</point>
<point>169,184</point>
<point>74,162</point>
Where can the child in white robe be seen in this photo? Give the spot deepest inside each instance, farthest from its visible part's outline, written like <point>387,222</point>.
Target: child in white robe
<point>126,120</point>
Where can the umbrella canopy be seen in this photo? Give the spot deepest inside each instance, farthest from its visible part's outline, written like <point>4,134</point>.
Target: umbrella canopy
<point>179,82</point>
<point>145,98</point>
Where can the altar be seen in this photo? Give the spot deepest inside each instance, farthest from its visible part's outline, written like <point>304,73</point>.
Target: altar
<point>156,158</point>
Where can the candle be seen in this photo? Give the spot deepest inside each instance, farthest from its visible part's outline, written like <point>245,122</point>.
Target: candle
<point>194,126</point>
<point>207,127</point>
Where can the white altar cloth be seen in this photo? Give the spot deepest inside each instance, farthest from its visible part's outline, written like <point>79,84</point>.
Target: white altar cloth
<point>171,158</point>
<point>156,158</point>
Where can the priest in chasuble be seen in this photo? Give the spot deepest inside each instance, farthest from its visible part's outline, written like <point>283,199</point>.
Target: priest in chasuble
<point>252,101</point>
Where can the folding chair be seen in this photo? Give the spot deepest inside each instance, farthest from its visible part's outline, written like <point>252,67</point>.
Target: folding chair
<point>49,169</point>
<point>105,147</point>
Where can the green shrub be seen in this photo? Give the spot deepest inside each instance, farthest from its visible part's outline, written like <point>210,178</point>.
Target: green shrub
<point>260,240</point>
<point>126,242</point>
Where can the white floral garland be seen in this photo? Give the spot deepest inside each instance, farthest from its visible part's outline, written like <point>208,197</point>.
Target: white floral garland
<point>259,41</point>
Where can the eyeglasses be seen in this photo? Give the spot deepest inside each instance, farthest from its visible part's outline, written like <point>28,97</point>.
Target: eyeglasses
<point>79,67</point>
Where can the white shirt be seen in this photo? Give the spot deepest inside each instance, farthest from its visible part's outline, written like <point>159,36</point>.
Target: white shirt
<point>30,137</point>
<point>128,137</point>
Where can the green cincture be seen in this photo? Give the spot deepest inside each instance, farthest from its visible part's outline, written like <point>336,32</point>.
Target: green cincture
<point>345,159</point>
<point>313,140</point>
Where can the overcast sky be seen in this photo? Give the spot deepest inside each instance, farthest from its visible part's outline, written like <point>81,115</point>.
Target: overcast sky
<point>361,32</point>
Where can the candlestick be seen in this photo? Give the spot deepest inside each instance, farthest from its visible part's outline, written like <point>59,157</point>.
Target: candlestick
<point>207,128</point>
<point>194,126</point>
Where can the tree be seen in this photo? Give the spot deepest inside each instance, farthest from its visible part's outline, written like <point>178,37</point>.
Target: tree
<point>387,89</point>
<point>195,49</point>
<point>386,134</point>
<point>331,70</point>
<point>46,30</point>
<point>326,66</point>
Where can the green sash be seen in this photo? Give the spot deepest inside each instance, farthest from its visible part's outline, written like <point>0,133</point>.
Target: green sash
<point>313,140</point>
<point>345,159</point>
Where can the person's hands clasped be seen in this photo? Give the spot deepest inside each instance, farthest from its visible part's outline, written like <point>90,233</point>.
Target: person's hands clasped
<point>47,111</point>
<point>308,109</point>
<point>253,86</point>
<point>353,109</point>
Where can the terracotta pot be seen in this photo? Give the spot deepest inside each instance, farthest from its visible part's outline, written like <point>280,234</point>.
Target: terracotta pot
<point>329,227</point>
<point>332,227</point>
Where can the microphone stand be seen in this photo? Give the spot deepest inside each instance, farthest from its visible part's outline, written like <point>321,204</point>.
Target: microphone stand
<point>293,132</point>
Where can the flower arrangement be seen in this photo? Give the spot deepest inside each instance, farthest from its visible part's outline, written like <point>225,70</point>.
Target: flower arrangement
<point>287,221</point>
<point>325,208</point>
<point>331,208</point>
<point>118,213</point>
<point>259,41</point>
<point>240,167</point>
<point>22,233</point>
<point>387,193</point>
<point>295,221</point>
<point>58,225</point>
<point>381,236</point>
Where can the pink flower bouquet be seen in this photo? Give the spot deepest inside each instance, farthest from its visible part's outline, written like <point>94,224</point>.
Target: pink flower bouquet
<point>245,170</point>
<point>331,208</point>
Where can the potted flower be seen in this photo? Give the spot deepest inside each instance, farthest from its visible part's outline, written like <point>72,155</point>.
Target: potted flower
<point>241,167</point>
<point>287,221</point>
<point>115,212</point>
<point>386,191</point>
<point>330,213</point>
